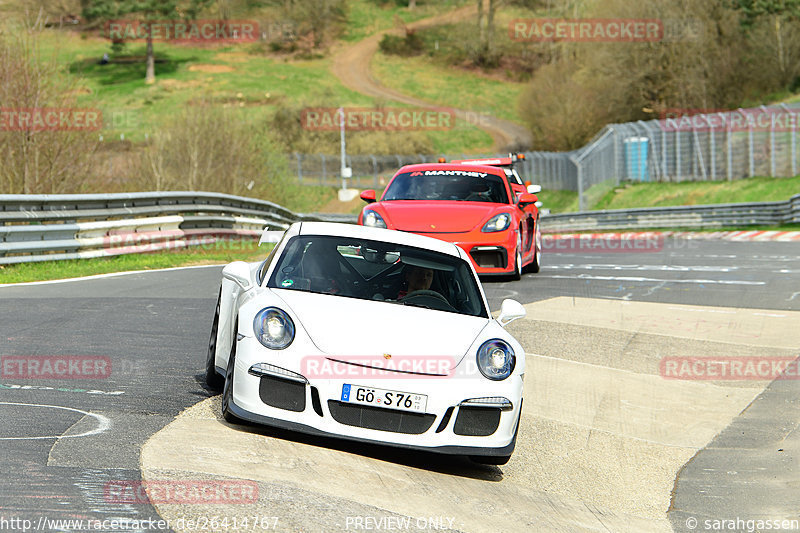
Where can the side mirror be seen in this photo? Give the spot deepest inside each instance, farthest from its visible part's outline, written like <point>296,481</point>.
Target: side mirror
<point>534,189</point>
<point>368,195</point>
<point>527,198</point>
<point>239,273</point>
<point>510,310</point>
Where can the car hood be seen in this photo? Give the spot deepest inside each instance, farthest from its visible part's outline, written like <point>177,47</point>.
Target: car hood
<point>437,216</point>
<point>341,326</point>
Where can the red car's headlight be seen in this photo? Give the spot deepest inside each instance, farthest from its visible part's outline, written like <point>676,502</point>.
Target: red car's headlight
<point>497,223</point>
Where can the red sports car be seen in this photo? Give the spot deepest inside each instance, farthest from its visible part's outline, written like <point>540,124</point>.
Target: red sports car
<point>473,207</point>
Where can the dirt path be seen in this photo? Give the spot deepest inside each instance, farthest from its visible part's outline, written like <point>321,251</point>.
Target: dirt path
<point>351,66</point>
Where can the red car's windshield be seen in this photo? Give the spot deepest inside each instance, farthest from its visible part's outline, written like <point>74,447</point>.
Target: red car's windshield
<point>453,185</point>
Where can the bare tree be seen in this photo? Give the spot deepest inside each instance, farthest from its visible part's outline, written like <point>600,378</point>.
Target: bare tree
<point>50,159</point>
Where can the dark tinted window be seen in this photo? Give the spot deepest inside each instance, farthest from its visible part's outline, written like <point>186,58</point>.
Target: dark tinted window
<point>378,271</point>
<point>452,185</point>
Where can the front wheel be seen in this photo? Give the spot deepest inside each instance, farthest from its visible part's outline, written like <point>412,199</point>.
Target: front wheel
<point>516,275</point>
<point>227,391</point>
<point>213,379</point>
<point>536,264</point>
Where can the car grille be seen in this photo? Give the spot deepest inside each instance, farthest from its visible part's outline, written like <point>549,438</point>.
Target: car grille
<point>490,258</point>
<point>364,416</point>
<point>476,421</point>
<point>282,393</point>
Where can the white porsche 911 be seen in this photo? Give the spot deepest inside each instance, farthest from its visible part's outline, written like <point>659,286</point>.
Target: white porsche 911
<point>368,334</point>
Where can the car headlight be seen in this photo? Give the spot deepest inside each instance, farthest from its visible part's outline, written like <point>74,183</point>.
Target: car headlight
<point>373,219</point>
<point>496,359</point>
<point>273,328</point>
<point>497,223</point>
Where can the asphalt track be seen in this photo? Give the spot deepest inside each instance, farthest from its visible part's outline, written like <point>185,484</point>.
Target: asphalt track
<point>607,444</point>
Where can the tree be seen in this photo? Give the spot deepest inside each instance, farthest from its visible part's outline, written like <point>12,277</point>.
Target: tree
<point>485,54</point>
<point>143,12</point>
<point>779,14</point>
<point>40,160</point>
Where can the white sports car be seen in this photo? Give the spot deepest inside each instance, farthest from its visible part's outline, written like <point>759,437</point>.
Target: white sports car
<point>371,335</point>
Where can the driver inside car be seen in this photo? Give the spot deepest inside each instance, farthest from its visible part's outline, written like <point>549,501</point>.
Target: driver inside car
<point>416,279</point>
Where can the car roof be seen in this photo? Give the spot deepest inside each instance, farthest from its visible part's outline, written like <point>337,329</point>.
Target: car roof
<point>421,167</point>
<point>377,234</point>
<point>492,161</point>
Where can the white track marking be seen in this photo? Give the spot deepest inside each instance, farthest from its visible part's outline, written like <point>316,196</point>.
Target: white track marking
<point>103,423</point>
<point>656,280</point>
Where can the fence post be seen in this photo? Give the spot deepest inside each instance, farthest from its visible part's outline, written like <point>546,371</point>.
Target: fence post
<point>792,138</point>
<point>374,171</point>
<point>678,154</point>
<point>324,176</point>
<point>616,154</point>
<point>712,152</point>
<point>771,142</point>
<point>750,155</point>
<point>699,154</point>
<point>579,169</point>
<point>729,147</point>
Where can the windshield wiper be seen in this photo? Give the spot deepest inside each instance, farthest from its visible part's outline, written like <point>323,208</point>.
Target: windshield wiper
<point>415,305</point>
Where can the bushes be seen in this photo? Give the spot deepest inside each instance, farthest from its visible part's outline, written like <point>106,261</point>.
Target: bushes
<point>50,160</point>
<point>410,45</point>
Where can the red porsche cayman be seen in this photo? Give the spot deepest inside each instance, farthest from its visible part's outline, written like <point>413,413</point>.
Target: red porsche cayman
<point>472,206</point>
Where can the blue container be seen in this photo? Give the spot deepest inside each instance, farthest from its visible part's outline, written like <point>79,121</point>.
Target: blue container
<point>636,158</point>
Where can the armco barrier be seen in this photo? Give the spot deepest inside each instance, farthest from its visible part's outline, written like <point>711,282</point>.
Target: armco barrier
<point>690,216</point>
<point>56,227</point>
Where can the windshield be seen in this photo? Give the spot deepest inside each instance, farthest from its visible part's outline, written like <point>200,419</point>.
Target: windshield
<point>378,271</point>
<point>453,185</point>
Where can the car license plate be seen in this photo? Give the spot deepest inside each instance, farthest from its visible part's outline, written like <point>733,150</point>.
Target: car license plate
<point>391,399</point>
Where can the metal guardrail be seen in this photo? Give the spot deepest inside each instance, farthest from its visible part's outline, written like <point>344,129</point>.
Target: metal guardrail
<point>690,216</point>
<point>57,227</point>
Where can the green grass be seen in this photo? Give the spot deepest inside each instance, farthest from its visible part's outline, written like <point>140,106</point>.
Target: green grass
<point>219,253</point>
<point>607,195</point>
<point>255,85</point>
<point>460,89</point>
<point>367,17</point>
<point>557,201</point>
<point>697,193</point>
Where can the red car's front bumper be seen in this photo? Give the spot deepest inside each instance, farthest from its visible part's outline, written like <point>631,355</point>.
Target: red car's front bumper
<point>490,253</point>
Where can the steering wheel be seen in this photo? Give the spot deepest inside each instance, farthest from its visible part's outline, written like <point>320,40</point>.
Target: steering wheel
<point>426,293</point>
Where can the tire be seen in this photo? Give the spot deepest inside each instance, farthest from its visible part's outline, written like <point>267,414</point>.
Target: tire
<point>213,379</point>
<point>227,391</point>
<point>536,264</point>
<point>517,274</point>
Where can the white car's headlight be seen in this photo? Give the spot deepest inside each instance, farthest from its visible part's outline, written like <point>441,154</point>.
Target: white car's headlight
<point>373,219</point>
<point>497,223</point>
<point>496,359</point>
<point>273,328</point>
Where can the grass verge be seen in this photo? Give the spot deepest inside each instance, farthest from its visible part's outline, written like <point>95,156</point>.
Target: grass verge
<point>210,254</point>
